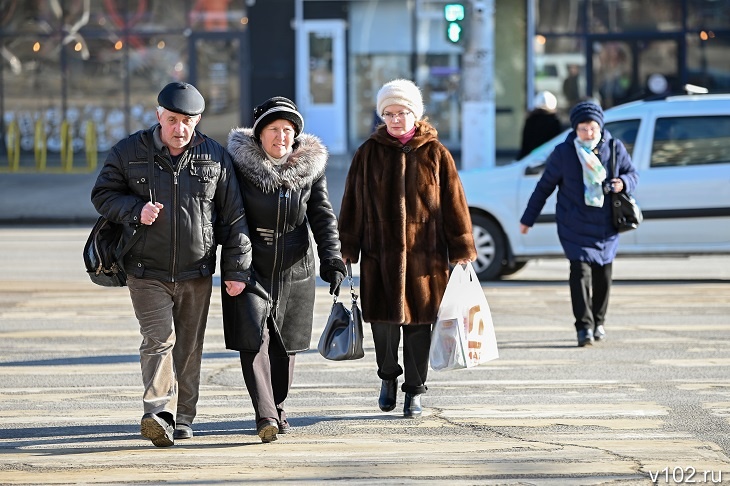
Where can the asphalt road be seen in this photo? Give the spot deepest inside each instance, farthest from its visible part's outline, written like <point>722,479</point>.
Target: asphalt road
<point>651,405</point>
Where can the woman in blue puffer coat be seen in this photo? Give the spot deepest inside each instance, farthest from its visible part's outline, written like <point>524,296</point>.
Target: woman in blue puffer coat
<point>580,167</point>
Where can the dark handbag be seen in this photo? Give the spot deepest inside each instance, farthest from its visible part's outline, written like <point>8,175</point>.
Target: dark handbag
<point>342,335</point>
<point>626,213</point>
<point>103,256</point>
<point>103,251</point>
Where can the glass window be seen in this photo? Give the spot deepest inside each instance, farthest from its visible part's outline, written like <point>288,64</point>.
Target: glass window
<point>563,74</point>
<point>153,62</point>
<point>321,88</point>
<point>626,131</point>
<point>150,15</point>
<point>691,141</point>
<point>32,92</point>
<point>439,78</point>
<point>217,15</point>
<point>629,15</point>
<point>29,17</point>
<point>707,14</point>
<point>658,68</point>
<point>613,75</point>
<point>370,73</point>
<point>94,86</point>
<point>559,16</point>
<point>707,61</point>
<point>218,81</point>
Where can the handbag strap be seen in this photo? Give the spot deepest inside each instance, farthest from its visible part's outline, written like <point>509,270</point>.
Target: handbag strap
<point>151,165</point>
<point>153,191</point>
<point>352,281</point>
<point>614,173</point>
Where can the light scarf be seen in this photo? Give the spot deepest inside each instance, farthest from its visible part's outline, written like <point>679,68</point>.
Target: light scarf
<point>593,172</point>
<point>280,161</point>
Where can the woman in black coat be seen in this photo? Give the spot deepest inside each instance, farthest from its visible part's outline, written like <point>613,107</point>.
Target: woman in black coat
<point>541,124</point>
<point>281,175</point>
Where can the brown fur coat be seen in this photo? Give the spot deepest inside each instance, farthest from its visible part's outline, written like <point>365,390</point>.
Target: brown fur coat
<point>405,216</point>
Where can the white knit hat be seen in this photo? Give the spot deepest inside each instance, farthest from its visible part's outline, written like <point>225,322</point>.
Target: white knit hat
<point>545,100</point>
<point>401,92</point>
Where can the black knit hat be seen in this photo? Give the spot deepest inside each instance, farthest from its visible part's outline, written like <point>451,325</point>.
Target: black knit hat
<point>277,108</point>
<point>586,111</point>
<point>181,98</point>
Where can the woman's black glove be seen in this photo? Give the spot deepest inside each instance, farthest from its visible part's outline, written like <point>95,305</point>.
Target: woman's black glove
<point>333,270</point>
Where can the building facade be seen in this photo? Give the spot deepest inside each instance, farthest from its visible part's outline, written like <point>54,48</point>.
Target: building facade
<point>78,75</point>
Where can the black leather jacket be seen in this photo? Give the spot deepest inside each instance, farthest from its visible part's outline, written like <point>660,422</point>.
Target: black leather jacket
<point>283,203</point>
<point>201,199</point>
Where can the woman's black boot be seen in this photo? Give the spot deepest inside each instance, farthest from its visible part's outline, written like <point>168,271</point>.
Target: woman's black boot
<point>412,405</point>
<point>388,392</point>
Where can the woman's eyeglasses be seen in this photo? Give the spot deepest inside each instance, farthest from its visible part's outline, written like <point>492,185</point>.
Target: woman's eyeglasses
<point>401,115</point>
<point>589,129</point>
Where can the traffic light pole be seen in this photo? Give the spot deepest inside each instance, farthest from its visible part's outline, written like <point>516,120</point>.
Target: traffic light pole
<point>478,145</point>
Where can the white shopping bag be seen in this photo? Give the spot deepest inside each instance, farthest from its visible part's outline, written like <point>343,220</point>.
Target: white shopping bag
<point>463,336</point>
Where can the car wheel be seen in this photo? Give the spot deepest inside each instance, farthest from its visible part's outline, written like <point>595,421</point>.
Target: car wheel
<point>490,245</point>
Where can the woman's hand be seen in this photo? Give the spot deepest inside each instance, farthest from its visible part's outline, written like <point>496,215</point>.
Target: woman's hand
<point>617,185</point>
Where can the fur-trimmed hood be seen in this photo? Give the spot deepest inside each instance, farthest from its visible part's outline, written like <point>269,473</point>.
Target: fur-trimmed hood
<point>305,165</point>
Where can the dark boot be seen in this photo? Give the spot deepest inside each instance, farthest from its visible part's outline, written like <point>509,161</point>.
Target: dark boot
<point>412,405</point>
<point>585,337</point>
<point>388,393</point>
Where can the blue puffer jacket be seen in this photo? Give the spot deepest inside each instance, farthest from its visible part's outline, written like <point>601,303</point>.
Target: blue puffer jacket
<point>586,233</point>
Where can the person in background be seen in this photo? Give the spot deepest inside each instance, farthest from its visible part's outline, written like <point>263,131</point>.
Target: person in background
<point>541,124</point>
<point>282,177</point>
<point>404,217</point>
<point>170,268</point>
<point>580,167</point>
<point>571,85</point>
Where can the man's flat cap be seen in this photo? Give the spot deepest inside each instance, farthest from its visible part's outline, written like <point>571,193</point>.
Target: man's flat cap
<point>181,98</point>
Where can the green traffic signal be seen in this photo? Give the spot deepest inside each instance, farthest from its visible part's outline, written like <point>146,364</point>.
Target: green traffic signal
<point>453,32</point>
<point>454,14</point>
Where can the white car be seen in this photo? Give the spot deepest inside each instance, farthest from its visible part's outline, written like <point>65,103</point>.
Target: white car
<point>681,148</point>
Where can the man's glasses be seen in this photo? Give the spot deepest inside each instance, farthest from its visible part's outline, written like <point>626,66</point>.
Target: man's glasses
<point>401,115</point>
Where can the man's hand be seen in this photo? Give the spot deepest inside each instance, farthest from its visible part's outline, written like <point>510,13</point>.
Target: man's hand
<point>234,287</point>
<point>150,212</point>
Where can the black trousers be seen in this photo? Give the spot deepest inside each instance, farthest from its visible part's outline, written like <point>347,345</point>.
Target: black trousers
<point>590,285</point>
<point>416,345</point>
<point>268,376</point>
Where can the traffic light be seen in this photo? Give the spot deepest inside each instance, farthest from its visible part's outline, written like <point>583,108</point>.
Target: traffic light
<point>454,13</point>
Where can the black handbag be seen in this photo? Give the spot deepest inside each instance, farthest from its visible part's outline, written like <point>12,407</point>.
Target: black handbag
<point>626,213</point>
<point>103,256</point>
<point>104,252</point>
<point>342,336</point>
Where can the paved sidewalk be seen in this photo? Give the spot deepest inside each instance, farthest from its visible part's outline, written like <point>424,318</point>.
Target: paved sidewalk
<point>654,397</point>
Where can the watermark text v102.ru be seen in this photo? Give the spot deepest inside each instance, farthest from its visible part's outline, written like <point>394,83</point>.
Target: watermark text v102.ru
<point>685,475</point>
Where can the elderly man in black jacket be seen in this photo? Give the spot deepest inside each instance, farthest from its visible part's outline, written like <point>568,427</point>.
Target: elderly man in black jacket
<point>193,197</point>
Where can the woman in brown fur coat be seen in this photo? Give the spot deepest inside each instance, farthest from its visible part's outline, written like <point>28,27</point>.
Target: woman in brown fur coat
<point>404,217</point>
